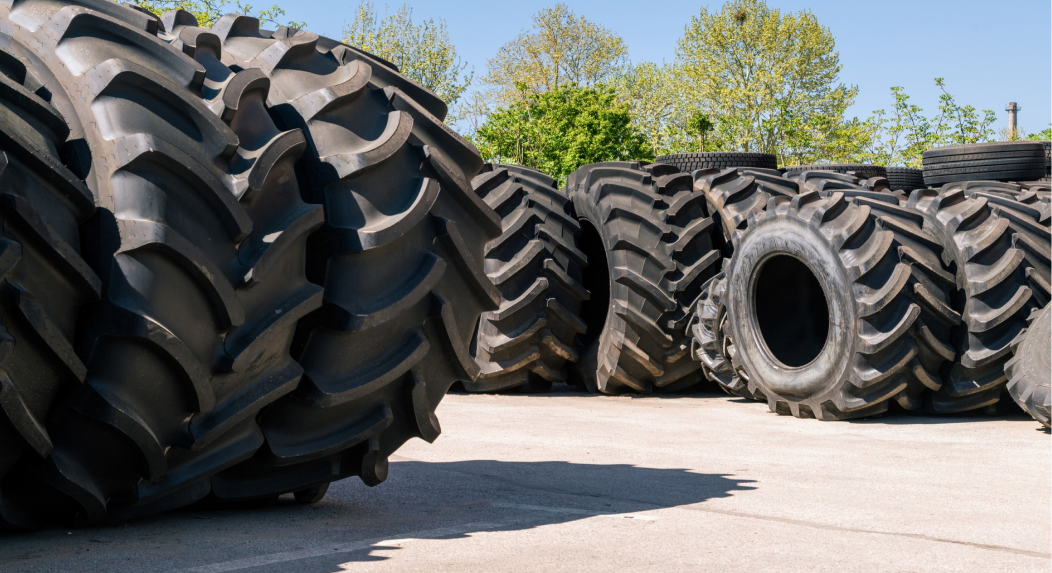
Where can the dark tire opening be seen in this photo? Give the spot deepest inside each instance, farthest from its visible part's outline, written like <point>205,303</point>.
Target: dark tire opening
<point>791,311</point>
<point>596,280</point>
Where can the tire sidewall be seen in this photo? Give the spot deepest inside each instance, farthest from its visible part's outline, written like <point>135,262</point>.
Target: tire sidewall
<point>787,236</point>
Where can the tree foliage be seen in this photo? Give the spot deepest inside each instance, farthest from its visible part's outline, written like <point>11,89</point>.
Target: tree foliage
<point>559,130</point>
<point>561,48</point>
<point>903,134</point>
<point>657,102</point>
<point>770,82</point>
<point>421,50</point>
<point>208,11</point>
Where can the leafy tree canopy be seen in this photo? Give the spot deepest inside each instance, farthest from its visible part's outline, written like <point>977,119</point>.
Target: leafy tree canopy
<point>559,130</point>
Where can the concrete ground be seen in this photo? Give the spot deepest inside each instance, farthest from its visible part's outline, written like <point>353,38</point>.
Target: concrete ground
<point>569,482</point>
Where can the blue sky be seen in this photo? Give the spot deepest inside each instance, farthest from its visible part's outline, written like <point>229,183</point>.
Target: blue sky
<point>989,52</point>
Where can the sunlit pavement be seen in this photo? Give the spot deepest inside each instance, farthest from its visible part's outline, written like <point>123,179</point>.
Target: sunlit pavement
<point>570,482</point>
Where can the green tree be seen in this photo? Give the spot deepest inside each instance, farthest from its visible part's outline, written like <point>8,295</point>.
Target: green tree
<point>902,135</point>
<point>655,98</point>
<point>561,48</point>
<point>1043,135</point>
<point>421,50</point>
<point>769,80</point>
<point>208,11</point>
<point>559,130</point>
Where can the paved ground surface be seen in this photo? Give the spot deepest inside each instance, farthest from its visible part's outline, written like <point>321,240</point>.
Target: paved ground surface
<point>586,483</point>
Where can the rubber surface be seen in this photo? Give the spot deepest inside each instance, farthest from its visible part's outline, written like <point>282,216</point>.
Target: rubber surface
<point>45,282</point>
<point>1030,369</point>
<point>712,345</point>
<point>650,249</point>
<point>862,171</point>
<point>689,162</point>
<point>993,297</point>
<point>868,350</point>
<point>191,337</point>
<point>733,195</point>
<point>400,256</point>
<point>905,178</point>
<point>536,264</point>
<point>932,282</point>
<point>1000,161</point>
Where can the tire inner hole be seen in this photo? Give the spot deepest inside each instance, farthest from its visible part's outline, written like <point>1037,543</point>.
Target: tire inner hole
<point>791,310</point>
<point>597,280</point>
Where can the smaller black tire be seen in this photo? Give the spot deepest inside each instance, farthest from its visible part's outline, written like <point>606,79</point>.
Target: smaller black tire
<point>860,170</point>
<point>1030,369</point>
<point>905,178</point>
<point>1000,161</point>
<point>688,162</point>
<point>712,346</point>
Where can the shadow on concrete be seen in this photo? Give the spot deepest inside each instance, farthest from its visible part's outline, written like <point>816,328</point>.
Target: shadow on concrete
<point>421,500</point>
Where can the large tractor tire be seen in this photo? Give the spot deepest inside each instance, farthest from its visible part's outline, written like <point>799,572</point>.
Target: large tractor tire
<point>1028,219</point>
<point>1030,369</point>
<point>994,297</point>
<point>527,342</point>
<point>650,250</point>
<point>45,281</point>
<point>821,312</point>
<point>932,283</point>
<point>400,255</point>
<point>198,242</point>
<point>733,195</point>
<point>688,162</point>
<point>999,161</point>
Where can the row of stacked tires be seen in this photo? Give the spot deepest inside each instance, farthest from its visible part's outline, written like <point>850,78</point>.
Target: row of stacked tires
<point>825,291</point>
<point>237,263</point>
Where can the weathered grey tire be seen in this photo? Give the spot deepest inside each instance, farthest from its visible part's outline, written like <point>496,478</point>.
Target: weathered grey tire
<point>400,256</point>
<point>712,346</point>
<point>733,195</point>
<point>905,178</point>
<point>650,250</point>
<point>44,281</point>
<point>198,298</point>
<point>1030,369</point>
<point>861,171</point>
<point>1000,161</point>
<point>820,310</point>
<point>994,299</point>
<point>526,343</point>
<point>688,162</point>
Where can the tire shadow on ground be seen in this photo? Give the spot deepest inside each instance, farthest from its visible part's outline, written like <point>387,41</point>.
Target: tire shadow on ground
<point>421,500</point>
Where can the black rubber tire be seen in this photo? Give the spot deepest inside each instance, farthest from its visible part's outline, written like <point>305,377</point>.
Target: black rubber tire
<point>1048,161</point>
<point>932,283</point>
<point>400,255</point>
<point>650,250</point>
<point>733,195</point>
<point>1028,217</point>
<point>1000,161</point>
<point>905,178</point>
<point>199,298</point>
<point>1030,368</point>
<point>994,299</point>
<point>526,343</point>
<point>688,162</point>
<point>712,345</point>
<point>859,170</point>
<point>862,361</point>
<point>45,282</point>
